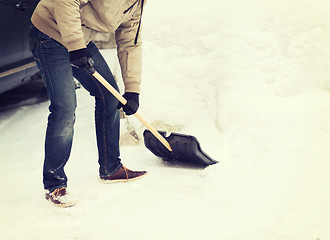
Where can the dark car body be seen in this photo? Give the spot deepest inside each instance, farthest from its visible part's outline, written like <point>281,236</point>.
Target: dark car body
<point>17,66</point>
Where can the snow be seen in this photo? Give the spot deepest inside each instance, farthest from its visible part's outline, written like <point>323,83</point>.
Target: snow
<point>251,80</point>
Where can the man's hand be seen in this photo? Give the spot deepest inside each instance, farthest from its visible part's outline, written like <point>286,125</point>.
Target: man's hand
<point>81,58</point>
<point>132,104</point>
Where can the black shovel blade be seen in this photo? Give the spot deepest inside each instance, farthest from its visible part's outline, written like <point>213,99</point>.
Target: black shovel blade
<point>185,148</point>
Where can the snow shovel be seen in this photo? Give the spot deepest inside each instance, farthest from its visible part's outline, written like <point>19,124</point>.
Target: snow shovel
<point>178,147</point>
<point>186,149</point>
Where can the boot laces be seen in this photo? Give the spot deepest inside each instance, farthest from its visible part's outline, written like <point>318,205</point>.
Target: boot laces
<point>126,171</point>
<point>56,192</point>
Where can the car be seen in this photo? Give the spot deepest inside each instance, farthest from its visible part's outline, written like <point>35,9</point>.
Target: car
<point>17,66</point>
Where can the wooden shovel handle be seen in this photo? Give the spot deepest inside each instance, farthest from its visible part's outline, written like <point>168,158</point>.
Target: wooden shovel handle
<point>137,115</point>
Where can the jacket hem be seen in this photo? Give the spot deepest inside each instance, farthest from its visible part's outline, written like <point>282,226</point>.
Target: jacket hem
<point>52,32</point>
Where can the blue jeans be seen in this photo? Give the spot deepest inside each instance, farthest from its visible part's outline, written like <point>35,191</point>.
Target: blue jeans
<point>53,62</point>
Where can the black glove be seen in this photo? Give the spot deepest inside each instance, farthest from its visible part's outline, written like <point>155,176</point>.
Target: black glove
<point>132,104</point>
<point>81,58</point>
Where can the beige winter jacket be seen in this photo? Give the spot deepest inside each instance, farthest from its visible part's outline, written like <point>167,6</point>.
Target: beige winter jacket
<point>74,23</point>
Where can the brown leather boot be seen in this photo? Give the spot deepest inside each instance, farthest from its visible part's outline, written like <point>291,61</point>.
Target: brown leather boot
<point>60,198</point>
<point>123,174</point>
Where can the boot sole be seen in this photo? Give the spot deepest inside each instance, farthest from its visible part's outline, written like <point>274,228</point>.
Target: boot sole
<point>62,205</point>
<point>106,181</point>
<point>66,205</point>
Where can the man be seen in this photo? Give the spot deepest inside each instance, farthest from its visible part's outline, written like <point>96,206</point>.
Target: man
<point>61,45</point>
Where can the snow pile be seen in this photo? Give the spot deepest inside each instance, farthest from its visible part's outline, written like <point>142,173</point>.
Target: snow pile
<point>250,79</point>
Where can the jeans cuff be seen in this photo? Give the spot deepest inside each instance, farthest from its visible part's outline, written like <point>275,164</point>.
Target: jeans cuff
<point>112,172</point>
<point>54,188</point>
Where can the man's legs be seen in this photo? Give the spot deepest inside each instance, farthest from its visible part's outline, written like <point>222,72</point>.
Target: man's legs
<point>53,61</point>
